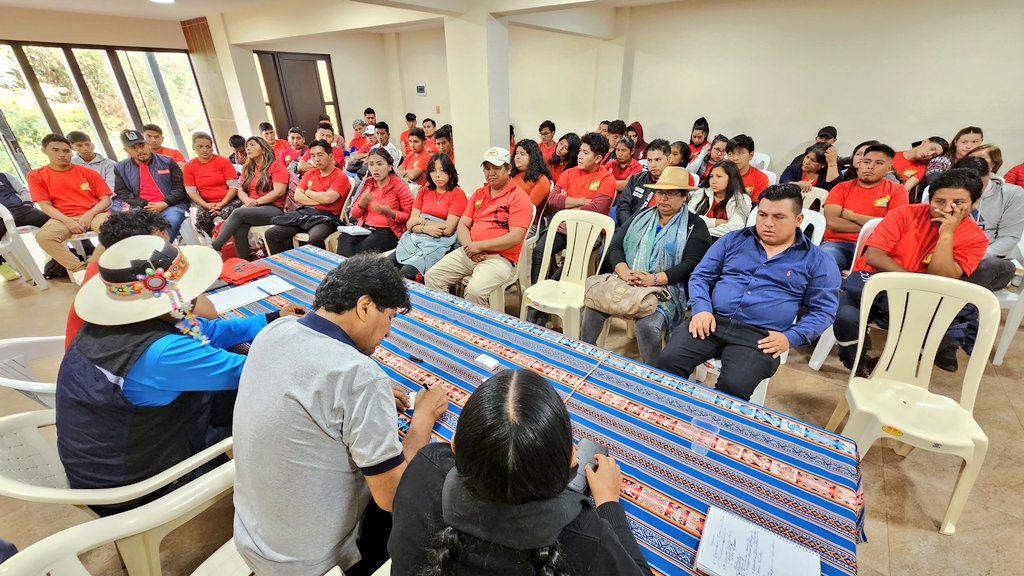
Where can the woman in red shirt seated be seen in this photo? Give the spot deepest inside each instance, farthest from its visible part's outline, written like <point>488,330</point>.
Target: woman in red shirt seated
<point>566,155</point>
<point>211,182</point>
<point>382,208</point>
<point>321,194</point>
<point>530,172</point>
<point>262,193</point>
<point>435,217</point>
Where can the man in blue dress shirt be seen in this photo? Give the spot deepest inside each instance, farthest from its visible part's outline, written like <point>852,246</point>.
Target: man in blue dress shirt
<point>746,292</point>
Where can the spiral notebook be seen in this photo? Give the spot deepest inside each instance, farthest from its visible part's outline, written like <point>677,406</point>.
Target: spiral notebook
<point>734,546</point>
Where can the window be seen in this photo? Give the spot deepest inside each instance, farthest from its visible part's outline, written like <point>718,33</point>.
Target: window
<point>97,90</point>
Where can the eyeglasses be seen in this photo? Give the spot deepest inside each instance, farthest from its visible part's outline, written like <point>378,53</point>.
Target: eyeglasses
<point>546,133</point>
<point>669,193</point>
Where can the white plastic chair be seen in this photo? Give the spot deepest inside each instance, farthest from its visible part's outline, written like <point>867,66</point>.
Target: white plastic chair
<point>564,296</point>
<point>1015,302</point>
<point>815,195</point>
<point>761,161</point>
<point>894,402</point>
<point>811,218</point>
<point>16,355</point>
<point>13,248</point>
<point>773,178</point>
<point>31,470</point>
<point>828,338</point>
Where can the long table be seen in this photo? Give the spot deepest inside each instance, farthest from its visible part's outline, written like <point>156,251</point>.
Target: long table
<point>682,446</point>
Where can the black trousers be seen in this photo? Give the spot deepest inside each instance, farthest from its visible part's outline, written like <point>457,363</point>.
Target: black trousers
<point>408,271</point>
<point>559,244</point>
<point>24,215</point>
<point>379,240</point>
<point>279,238</point>
<point>372,541</point>
<point>743,364</point>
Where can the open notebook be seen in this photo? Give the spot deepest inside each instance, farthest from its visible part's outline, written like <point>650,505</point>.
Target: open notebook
<point>734,546</point>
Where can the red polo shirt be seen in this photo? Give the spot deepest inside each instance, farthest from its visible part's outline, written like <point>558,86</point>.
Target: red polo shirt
<point>495,217</point>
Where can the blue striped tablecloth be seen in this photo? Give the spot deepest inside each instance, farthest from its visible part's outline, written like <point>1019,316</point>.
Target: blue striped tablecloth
<point>682,447</point>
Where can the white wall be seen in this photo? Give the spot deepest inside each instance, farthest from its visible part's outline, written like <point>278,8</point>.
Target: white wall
<point>895,71</point>
<point>44,26</point>
<point>422,60</point>
<point>552,77</point>
<point>359,70</point>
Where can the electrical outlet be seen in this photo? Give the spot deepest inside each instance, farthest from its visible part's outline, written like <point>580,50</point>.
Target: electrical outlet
<point>437,109</point>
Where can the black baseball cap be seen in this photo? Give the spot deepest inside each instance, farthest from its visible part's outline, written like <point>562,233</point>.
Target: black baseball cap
<point>131,137</point>
<point>828,132</point>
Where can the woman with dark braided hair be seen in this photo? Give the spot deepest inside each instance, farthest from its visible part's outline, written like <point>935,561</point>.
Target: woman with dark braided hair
<point>496,500</point>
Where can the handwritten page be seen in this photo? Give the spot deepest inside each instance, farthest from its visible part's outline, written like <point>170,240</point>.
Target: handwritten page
<point>733,546</point>
<point>249,293</point>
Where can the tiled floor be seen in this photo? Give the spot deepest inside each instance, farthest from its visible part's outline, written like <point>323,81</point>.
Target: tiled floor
<point>905,497</point>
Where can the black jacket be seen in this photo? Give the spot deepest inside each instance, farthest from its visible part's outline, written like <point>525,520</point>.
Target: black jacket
<point>634,197</point>
<point>596,542</point>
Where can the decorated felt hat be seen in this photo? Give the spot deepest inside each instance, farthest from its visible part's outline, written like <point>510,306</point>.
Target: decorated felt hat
<point>144,277</point>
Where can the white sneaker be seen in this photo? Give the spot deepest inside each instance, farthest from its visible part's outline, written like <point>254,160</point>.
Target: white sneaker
<point>78,277</point>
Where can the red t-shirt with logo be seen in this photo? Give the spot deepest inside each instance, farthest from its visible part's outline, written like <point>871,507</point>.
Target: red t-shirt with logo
<point>337,153</point>
<point>495,217</point>
<point>580,184</point>
<point>278,175</point>
<point>418,161</point>
<point>754,182</point>
<point>73,191</point>
<point>441,204</point>
<point>148,190</point>
<point>548,151</point>
<point>909,236</point>
<point>289,154</point>
<point>336,180</point>
<point>875,202</point>
<point>907,168</point>
<point>210,178</point>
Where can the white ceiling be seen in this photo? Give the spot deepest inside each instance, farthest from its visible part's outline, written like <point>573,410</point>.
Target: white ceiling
<point>185,9</point>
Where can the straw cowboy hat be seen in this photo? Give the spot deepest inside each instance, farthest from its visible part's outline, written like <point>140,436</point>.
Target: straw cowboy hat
<point>673,178</point>
<point>144,277</point>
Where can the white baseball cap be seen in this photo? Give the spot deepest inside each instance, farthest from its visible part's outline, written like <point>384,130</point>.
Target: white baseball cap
<point>497,156</point>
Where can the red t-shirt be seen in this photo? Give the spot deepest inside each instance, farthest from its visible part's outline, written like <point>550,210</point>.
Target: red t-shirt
<point>336,180</point>
<point>694,150</point>
<point>440,204</point>
<point>909,236</point>
<point>211,178</point>
<point>907,169</point>
<point>177,156</point>
<point>279,146</point>
<point>495,217</point>
<point>74,320</point>
<point>288,154</point>
<point>148,190</point>
<point>418,161</point>
<point>620,173</point>
<point>875,202</point>
<point>1015,175</point>
<point>754,182</point>
<point>337,153</point>
<point>278,175</point>
<point>548,152</point>
<point>430,146</point>
<point>357,142</point>
<point>73,191</point>
<point>404,139</point>
<point>580,184</point>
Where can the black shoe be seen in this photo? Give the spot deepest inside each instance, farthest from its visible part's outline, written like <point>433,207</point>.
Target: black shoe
<point>945,358</point>
<point>866,367</point>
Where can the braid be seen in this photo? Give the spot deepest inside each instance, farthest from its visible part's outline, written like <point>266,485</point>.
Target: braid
<point>548,561</point>
<point>443,553</point>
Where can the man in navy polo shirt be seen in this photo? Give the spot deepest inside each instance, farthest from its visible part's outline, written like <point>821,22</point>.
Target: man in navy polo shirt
<point>746,292</point>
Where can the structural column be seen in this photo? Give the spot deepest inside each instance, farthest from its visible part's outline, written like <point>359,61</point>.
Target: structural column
<point>240,79</point>
<point>477,54</point>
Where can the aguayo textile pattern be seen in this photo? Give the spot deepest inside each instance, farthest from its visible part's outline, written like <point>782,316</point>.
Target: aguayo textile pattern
<point>682,447</point>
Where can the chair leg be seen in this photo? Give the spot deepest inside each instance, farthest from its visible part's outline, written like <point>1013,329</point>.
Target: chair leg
<point>700,373</point>
<point>904,449</point>
<point>964,483</point>
<point>1013,320</point>
<point>822,350</point>
<point>497,299</point>
<point>760,393</point>
<point>141,556</point>
<point>862,429</point>
<point>842,409</point>
<point>524,308</point>
<point>571,323</point>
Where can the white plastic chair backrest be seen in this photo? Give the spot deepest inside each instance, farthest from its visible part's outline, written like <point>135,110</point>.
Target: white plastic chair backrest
<point>865,233</point>
<point>51,554</point>
<point>583,230</point>
<point>773,178</point>
<point>926,195</point>
<point>815,195</point>
<point>12,230</point>
<point>921,308</point>
<point>414,189</point>
<point>16,355</point>
<point>26,456</point>
<point>761,161</point>
<point>523,248</point>
<point>810,217</point>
